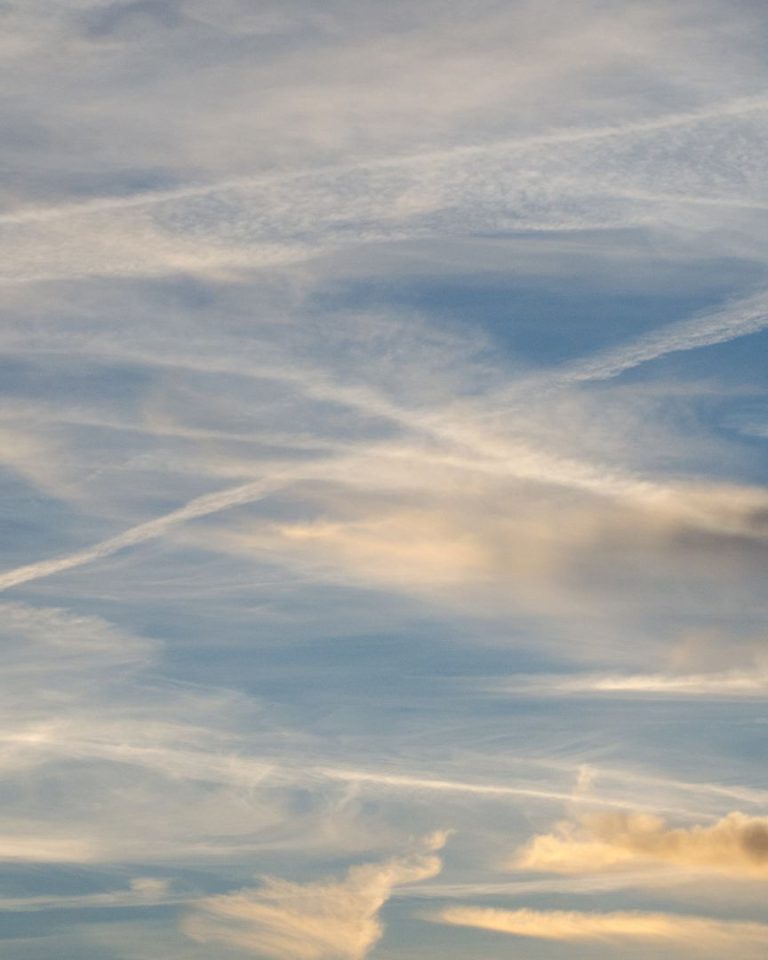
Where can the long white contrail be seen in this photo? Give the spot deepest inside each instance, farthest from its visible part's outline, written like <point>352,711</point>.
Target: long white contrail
<point>738,319</point>
<point>199,507</point>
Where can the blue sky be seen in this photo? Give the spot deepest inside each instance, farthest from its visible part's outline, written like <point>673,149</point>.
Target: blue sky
<point>384,480</point>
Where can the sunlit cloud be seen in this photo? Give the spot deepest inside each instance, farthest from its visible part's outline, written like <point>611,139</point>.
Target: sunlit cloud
<point>312,921</point>
<point>699,934</point>
<point>737,844</point>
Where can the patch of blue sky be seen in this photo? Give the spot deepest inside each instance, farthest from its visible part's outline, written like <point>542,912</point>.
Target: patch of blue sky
<point>543,320</point>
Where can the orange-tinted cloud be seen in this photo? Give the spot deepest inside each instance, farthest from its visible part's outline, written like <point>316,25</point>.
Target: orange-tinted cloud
<point>737,844</point>
<point>326,920</point>
<point>614,928</point>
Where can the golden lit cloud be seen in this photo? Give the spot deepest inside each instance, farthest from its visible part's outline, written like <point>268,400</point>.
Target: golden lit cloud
<point>325,920</point>
<point>612,928</point>
<point>736,844</point>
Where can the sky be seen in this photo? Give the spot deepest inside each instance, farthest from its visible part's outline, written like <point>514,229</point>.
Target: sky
<point>384,508</point>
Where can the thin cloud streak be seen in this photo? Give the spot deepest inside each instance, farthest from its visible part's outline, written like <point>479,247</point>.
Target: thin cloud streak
<point>409,783</point>
<point>734,684</point>
<point>700,934</point>
<point>142,892</point>
<point>739,318</point>
<point>199,507</point>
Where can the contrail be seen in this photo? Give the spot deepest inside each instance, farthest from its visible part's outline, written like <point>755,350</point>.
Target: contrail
<point>742,105</point>
<point>199,507</point>
<point>738,319</point>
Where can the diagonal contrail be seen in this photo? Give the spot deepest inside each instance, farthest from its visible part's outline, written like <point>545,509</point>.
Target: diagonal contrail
<point>199,507</point>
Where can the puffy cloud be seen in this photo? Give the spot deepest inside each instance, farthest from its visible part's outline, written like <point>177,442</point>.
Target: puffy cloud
<point>737,844</point>
<point>624,927</point>
<point>325,920</point>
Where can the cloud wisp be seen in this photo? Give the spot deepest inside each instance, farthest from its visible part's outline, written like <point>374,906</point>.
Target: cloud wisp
<point>323,920</point>
<point>732,684</point>
<point>740,318</point>
<point>698,934</point>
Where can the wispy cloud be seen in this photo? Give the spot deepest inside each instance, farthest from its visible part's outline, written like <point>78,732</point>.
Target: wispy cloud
<point>142,892</point>
<point>42,849</point>
<point>699,934</point>
<point>737,319</point>
<point>726,685</point>
<point>324,920</point>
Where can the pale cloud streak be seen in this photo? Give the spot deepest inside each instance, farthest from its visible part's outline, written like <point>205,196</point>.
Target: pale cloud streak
<point>730,684</point>
<point>199,507</point>
<point>740,318</point>
<point>698,934</point>
<point>141,892</point>
<point>37,848</point>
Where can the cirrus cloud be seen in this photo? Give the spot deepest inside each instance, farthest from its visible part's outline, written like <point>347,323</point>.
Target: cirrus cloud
<point>698,933</point>
<point>324,920</point>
